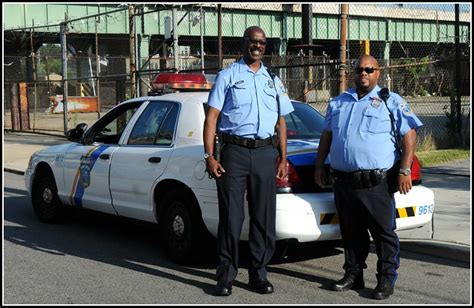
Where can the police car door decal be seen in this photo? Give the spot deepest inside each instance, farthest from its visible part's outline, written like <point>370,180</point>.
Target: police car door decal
<point>82,178</point>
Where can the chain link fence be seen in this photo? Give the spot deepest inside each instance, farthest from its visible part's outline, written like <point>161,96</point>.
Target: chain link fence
<point>415,45</point>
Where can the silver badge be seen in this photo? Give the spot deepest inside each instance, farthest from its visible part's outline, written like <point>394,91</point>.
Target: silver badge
<point>270,84</point>
<point>375,102</point>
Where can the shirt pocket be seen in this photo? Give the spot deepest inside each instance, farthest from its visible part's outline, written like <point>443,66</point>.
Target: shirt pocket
<point>374,121</point>
<point>269,97</point>
<point>241,94</point>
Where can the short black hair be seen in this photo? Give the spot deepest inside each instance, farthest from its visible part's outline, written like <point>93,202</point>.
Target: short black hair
<point>252,28</point>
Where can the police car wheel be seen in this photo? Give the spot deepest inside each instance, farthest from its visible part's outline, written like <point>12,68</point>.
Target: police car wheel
<point>181,227</point>
<point>46,204</point>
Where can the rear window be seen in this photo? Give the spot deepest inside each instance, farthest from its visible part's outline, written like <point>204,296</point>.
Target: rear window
<point>304,123</point>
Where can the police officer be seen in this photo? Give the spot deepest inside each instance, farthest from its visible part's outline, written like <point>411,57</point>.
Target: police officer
<point>358,135</point>
<point>245,96</point>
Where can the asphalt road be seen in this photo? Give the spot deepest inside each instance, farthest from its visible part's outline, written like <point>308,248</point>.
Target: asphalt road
<point>100,259</point>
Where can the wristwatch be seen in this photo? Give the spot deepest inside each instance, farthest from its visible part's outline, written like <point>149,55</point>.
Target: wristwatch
<point>405,171</point>
<point>207,155</point>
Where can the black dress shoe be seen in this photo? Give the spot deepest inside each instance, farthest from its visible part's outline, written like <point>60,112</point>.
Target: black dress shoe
<point>349,282</point>
<point>223,289</point>
<point>261,286</point>
<point>383,290</point>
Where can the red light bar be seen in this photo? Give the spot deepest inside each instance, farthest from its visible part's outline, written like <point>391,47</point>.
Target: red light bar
<point>169,78</point>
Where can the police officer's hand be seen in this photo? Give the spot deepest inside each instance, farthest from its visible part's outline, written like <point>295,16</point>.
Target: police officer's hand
<point>404,183</point>
<point>282,171</point>
<point>214,167</point>
<point>319,176</point>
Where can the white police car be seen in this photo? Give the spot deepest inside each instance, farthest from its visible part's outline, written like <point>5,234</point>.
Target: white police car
<point>144,160</point>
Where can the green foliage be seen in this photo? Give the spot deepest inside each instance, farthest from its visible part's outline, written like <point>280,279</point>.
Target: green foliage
<point>413,74</point>
<point>431,158</point>
<point>49,59</point>
<point>426,142</point>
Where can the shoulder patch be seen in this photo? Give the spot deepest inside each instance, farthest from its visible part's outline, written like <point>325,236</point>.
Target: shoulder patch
<point>405,107</point>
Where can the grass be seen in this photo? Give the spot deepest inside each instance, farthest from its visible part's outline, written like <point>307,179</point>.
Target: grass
<point>436,157</point>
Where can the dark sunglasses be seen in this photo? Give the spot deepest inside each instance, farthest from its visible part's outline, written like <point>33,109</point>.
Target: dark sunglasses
<point>368,69</point>
<point>255,42</point>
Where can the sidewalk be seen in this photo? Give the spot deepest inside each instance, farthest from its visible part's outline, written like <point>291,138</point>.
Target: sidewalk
<point>18,147</point>
<point>448,235</point>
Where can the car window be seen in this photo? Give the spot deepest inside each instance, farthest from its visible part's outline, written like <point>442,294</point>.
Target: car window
<point>155,125</point>
<point>166,132</point>
<point>109,129</point>
<point>304,123</point>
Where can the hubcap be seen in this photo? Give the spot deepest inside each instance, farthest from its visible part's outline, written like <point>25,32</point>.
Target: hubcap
<point>47,195</point>
<point>178,226</point>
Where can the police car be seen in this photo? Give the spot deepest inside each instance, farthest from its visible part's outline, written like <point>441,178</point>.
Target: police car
<point>144,160</point>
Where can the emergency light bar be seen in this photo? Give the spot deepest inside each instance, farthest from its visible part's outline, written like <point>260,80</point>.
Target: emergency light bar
<point>174,81</point>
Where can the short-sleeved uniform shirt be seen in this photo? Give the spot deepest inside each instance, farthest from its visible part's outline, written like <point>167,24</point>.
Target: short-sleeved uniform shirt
<point>362,137</point>
<point>247,101</point>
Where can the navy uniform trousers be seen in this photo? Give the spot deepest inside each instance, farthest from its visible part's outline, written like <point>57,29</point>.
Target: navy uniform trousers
<point>364,209</point>
<point>253,169</point>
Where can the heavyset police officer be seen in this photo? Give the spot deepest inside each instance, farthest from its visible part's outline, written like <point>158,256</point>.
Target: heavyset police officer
<point>245,97</point>
<point>359,136</point>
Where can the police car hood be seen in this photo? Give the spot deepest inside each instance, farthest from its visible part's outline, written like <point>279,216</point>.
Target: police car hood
<point>56,149</point>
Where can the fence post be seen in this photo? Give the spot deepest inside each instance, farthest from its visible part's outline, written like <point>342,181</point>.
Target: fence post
<point>63,30</point>
<point>219,36</point>
<point>15,103</point>
<point>133,67</point>
<point>343,42</point>
<point>457,74</point>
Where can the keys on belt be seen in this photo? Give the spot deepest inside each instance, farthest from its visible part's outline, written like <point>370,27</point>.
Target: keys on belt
<point>246,142</point>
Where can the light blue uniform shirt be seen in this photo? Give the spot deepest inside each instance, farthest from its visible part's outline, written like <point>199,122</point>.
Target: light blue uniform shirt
<point>362,137</point>
<point>247,101</point>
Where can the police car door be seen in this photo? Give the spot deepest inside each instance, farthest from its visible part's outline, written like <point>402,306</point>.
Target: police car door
<point>142,158</point>
<point>86,166</point>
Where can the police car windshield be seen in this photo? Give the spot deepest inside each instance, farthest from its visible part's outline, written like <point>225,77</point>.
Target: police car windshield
<point>304,123</point>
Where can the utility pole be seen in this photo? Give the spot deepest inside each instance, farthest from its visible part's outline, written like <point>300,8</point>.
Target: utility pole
<point>133,66</point>
<point>307,44</point>
<point>201,30</point>
<point>307,27</point>
<point>63,31</point>
<point>220,63</point>
<point>343,42</point>
<point>97,64</point>
<point>175,39</point>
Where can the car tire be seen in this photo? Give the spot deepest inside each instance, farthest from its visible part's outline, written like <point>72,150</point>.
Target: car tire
<point>182,230</point>
<point>46,204</point>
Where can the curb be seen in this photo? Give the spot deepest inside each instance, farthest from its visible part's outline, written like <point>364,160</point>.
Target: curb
<point>440,249</point>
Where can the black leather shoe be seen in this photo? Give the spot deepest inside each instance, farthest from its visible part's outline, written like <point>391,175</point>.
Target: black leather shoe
<point>261,286</point>
<point>223,289</point>
<point>349,282</point>
<point>383,290</point>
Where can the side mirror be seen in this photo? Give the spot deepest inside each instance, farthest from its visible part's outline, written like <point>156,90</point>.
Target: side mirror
<point>76,134</point>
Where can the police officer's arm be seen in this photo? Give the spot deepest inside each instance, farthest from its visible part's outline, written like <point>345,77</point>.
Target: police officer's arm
<point>409,145</point>
<point>282,170</point>
<point>213,166</point>
<point>323,151</point>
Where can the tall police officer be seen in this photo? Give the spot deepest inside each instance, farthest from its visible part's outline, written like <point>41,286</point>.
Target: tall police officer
<point>358,134</point>
<point>245,97</point>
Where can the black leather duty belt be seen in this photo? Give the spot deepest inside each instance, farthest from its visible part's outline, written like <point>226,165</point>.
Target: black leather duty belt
<point>361,178</point>
<point>246,142</point>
